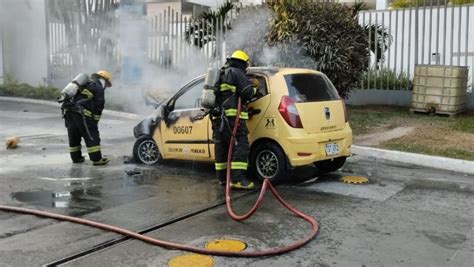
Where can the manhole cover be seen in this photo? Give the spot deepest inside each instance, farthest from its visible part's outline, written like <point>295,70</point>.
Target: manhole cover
<point>226,245</point>
<point>195,260</point>
<point>354,179</point>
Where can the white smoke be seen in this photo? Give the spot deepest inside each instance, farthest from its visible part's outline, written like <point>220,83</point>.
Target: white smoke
<point>250,32</point>
<point>24,40</point>
<point>129,90</point>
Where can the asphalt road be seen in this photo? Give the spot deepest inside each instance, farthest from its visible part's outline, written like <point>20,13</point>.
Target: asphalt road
<point>405,216</point>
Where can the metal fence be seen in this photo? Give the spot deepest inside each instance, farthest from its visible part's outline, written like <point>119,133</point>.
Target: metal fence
<point>431,33</point>
<point>172,38</point>
<point>80,37</point>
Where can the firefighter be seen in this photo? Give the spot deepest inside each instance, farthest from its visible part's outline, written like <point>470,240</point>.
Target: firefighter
<point>232,84</point>
<point>82,114</point>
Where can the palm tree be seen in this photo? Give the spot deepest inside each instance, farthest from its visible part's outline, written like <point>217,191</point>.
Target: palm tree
<point>380,37</point>
<point>203,29</point>
<point>380,40</point>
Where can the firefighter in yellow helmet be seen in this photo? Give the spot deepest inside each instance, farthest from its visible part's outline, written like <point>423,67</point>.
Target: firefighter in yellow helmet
<point>82,107</point>
<point>232,84</point>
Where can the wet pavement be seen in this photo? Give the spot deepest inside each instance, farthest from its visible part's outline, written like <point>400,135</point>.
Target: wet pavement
<point>405,216</point>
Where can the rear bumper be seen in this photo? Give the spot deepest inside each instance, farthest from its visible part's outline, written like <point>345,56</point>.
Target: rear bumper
<point>305,149</point>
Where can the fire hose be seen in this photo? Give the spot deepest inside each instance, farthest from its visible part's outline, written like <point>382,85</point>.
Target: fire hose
<point>170,245</point>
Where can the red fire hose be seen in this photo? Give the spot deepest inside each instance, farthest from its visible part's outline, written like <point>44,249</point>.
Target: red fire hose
<point>171,245</point>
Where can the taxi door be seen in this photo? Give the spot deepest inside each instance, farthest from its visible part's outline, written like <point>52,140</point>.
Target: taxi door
<point>260,103</point>
<point>185,127</point>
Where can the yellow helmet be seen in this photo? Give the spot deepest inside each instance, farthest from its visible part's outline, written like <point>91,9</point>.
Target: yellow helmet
<point>105,75</point>
<point>241,55</point>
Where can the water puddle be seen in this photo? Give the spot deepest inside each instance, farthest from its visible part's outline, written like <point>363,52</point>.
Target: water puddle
<point>79,201</point>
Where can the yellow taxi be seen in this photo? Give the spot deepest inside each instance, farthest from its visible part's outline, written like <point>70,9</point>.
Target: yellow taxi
<point>299,119</point>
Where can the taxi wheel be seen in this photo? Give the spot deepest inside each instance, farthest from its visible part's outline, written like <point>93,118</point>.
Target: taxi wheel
<point>268,161</point>
<point>146,151</point>
<point>330,165</point>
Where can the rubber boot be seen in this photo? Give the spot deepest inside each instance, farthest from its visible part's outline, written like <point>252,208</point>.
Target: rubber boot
<point>79,160</point>
<point>101,162</point>
<point>244,184</point>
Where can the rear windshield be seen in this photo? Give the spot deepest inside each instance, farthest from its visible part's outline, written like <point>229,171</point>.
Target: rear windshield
<point>310,88</point>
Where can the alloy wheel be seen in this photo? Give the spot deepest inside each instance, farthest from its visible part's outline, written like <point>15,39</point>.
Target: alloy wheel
<point>148,152</point>
<point>267,164</point>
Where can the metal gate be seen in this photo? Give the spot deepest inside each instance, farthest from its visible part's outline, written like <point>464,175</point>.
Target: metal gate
<point>83,36</point>
<point>429,33</point>
<point>173,38</point>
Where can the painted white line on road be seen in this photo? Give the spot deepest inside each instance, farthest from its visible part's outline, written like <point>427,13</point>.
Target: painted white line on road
<point>366,191</point>
<point>28,115</point>
<point>65,179</point>
<point>34,136</point>
<point>456,165</point>
<point>6,170</point>
<point>55,104</point>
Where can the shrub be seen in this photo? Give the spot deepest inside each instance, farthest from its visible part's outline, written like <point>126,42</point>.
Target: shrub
<point>401,4</point>
<point>299,33</point>
<point>413,3</point>
<point>13,88</point>
<point>326,35</point>
<point>385,79</point>
<point>462,2</point>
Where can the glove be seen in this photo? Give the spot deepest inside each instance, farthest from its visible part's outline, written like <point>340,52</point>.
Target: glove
<point>252,112</point>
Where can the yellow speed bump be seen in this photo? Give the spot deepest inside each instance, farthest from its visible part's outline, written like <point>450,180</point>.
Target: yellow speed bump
<point>226,245</point>
<point>354,179</point>
<point>195,260</point>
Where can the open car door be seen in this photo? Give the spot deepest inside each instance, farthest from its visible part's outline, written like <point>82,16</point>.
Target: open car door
<point>185,127</point>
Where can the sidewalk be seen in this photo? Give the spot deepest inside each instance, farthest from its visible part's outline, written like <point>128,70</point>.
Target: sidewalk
<point>449,164</point>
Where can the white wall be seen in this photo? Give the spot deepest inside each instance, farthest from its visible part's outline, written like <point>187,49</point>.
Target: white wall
<point>412,47</point>
<point>156,9</point>
<point>23,23</point>
<point>251,2</point>
<point>218,3</point>
<point>381,4</point>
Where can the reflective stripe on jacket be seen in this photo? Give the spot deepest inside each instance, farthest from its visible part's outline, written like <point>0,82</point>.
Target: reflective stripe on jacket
<point>233,84</point>
<point>91,99</point>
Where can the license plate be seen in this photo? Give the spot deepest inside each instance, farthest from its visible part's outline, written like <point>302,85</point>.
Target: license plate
<point>331,149</point>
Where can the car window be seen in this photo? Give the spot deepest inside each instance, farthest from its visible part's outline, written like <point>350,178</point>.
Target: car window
<point>191,98</point>
<point>262,89</point>
<point>310,88</point>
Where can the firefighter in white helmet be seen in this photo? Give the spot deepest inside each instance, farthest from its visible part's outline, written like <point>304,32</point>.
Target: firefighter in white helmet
<point>82,104</point>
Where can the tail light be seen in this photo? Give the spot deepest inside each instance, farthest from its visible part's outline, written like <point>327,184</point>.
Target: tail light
<point>288,111</point>
<point>344,108</point>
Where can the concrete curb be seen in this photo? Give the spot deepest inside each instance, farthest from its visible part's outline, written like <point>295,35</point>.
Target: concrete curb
<point>456,165</point>
<point>119,114</point>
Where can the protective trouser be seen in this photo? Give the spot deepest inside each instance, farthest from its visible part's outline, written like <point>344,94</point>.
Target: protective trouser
<point>221,147</point>
<point>76,130</point>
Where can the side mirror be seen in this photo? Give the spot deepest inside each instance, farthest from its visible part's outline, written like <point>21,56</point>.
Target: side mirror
<point>166,110</point>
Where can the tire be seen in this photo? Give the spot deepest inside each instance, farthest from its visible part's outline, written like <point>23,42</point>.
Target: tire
<point>330,165</point>
<point>268,161</point>
<point>146,151</point>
